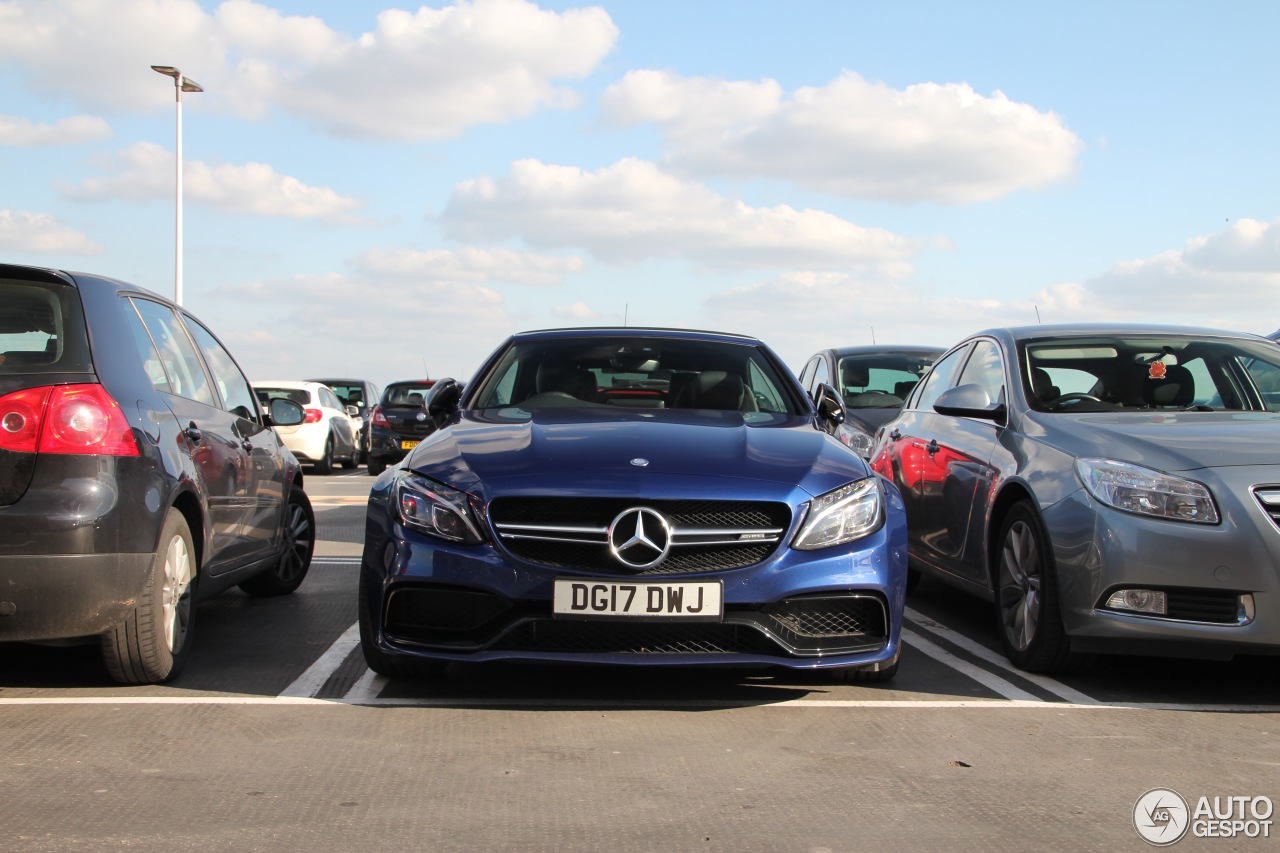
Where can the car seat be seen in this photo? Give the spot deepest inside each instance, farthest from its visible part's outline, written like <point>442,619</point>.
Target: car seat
<point>1177,388</point>
<point>716,389</point>
<point>1042,385</point>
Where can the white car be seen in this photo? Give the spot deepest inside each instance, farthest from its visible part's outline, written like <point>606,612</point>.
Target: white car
<point>327,432</point>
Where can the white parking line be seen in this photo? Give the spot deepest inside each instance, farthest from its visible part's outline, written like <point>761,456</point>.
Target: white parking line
<point>309,683</point>
<point>992,682</point>
<point>1057,688</point>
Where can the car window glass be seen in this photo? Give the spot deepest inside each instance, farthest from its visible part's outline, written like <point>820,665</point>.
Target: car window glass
<point>42,329</point>
<point>1266,378</point>
<point>806,375</point>
<point>146,349</point>
<point>768,396</point>
<point>821,375</point>
<point>938,380</point>
<point>236,394</point>
<point>985,369</point>
<point>181,364</point>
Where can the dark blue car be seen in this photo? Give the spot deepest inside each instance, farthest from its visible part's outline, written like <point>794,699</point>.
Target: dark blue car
<point>633,496</point>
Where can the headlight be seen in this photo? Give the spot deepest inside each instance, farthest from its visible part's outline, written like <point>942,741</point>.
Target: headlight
<point>435,508</point>
<point>856,440</point>
<point>1145,491</point>
<point>848,513</point>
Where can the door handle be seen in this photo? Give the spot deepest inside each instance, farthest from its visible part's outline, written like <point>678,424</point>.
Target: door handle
<point>932,446</point>
<point>193,432</point>
<point>895,434</point>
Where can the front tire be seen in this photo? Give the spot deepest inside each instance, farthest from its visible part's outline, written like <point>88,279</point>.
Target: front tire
<point>150,645</point>
<point>376,466</point>
<point>1028,608</point>
<point>288,572</point>
<point>353,461</point>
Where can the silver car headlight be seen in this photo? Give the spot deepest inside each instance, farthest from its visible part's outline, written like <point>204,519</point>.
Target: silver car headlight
<point>842,515</point>
<point>1145,491</point>
<point>856,440</point>
<point>434,508</point>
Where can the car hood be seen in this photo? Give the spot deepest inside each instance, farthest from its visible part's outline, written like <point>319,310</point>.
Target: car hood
<point>633,452</point>
<point>1170,441</point>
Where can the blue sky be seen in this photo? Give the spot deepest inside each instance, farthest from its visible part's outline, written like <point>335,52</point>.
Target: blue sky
<point>378,190</point>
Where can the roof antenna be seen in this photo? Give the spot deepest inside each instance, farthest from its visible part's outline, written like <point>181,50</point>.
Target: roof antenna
<point>873,335</point>
<point>626,309</point>
<point>1038,321</point>
<point>425,374</point>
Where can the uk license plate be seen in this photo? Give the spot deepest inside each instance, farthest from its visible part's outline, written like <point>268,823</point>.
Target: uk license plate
<point>605,599</point>
<point>408,445</point>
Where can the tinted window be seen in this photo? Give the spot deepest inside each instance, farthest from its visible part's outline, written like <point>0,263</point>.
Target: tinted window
<point>236,394</point>
<point>177,353</point>
<point>146,349</point>
<point>985,369</point>
<point>938,380</point>
<point>42,329</point>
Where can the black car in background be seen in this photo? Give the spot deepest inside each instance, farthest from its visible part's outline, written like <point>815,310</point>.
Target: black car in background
<point>362,394</point>
<point>871,383</point>
<point>398,423</point>
<point>137,473</point>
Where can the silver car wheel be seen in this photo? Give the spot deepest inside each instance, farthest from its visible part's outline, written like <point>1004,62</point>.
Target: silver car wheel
<point>1020,585</point>
<point>175,600</point>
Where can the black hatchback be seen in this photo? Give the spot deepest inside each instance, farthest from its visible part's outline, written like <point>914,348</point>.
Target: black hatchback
<point>137,473</point>
<point>399,422</point>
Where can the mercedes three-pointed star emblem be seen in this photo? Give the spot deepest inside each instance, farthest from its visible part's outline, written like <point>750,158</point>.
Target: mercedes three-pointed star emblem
<point>639,537</point>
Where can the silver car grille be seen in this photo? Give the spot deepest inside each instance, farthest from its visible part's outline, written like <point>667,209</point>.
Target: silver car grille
<point>1269,497</point>
<point>705,535</point>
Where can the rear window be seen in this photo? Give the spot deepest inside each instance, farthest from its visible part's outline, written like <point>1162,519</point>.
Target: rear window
<point>301,396</point>
<point>411,394</point>
<point>42,329</point>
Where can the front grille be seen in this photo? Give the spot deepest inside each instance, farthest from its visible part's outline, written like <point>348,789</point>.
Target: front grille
<point>470,621</point>
<point>706,536</point>
<point>1269,497</point>
<point>1202,605</point>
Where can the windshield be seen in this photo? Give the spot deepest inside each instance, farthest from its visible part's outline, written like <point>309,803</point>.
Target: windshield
<point>881,380</point>
<point>650,373</point>
<point>1156,372</point>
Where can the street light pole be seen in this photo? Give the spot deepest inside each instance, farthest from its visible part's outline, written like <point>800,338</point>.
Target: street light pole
<point>180,84</point>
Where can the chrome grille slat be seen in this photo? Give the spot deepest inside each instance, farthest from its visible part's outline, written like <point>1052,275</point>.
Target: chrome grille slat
<point>1269,498</point>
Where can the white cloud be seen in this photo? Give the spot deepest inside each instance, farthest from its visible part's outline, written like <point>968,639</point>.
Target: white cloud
<point>799,313</point>
<point>853,137</point>
<point>1230,279</point>
<point>416,75</point>
<point>578,312</point>
<point>22,231</point>
<point>443,327</point>
<point>468,265</point>
<point>72,130</point>
<point>632,210</point>
<point>144,171</point>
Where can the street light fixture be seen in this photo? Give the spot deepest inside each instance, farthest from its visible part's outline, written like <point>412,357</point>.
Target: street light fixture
<point>180,84</point>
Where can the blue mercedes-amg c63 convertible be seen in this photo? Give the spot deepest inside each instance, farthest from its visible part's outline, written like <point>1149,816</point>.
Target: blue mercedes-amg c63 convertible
<point>633,496</point>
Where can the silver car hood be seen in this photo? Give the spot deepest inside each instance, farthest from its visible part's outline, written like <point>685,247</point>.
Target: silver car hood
<point>1169,441</point>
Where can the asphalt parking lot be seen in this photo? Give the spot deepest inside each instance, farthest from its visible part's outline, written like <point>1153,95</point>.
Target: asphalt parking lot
<point>277,737</point>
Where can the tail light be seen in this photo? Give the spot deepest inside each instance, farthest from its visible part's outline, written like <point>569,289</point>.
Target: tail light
<point>313,416</point>
<point>65,419</point>
<point>379,418</point>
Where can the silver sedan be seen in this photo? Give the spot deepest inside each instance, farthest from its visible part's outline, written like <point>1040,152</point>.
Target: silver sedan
<point>1110,489</point>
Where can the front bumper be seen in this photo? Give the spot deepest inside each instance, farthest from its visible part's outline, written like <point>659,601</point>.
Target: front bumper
<point>61,596</point>
<point>1222,580</point>
<point>801,610</point>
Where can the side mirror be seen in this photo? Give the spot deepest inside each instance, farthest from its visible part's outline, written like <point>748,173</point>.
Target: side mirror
<point>353,412</point>
<point>969,401</point>
<point>830,406</point>
<point>443,397</point>
<point>282,412</point>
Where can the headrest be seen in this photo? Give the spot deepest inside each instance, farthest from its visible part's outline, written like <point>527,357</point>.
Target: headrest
<point>854,375</point>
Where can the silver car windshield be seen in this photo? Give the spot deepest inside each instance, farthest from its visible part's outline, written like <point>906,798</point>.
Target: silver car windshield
<point>1151,373</point>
